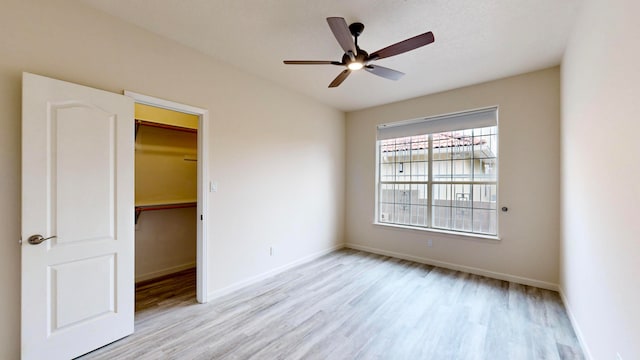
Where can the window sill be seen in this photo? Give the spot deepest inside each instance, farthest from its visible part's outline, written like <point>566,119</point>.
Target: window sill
<point>437,231</point>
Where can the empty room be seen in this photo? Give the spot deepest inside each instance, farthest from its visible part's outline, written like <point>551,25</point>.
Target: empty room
<point>397,179</point>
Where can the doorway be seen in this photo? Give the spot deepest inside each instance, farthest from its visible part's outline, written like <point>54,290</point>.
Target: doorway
<point>170,135</point>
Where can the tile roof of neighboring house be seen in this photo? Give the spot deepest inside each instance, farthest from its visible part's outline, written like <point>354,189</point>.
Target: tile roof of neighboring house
<point>440,140</point>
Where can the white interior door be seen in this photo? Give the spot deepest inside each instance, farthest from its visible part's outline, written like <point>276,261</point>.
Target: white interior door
<point>77,193</point>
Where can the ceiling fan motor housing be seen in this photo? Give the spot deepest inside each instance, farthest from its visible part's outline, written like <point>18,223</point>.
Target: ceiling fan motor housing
<point>356,29</point>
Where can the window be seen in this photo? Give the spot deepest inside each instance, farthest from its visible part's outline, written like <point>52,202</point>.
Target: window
<point>440,172</point>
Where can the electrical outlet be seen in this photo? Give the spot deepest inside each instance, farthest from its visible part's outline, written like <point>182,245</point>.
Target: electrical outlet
<point>271,252</point>
<point>429,243</point>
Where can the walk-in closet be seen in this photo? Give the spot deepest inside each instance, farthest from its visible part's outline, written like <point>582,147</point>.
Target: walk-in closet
<point>165,205</point>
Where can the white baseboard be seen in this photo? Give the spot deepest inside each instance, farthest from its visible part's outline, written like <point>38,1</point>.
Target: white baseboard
<point>254,279</point>
<point>576,328</point>
<point>463,268</point>
<point>167,271</point>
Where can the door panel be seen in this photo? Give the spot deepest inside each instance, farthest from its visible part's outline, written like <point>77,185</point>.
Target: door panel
<point>77,173</point>
<point>82,290</point>
<point>93,187</point>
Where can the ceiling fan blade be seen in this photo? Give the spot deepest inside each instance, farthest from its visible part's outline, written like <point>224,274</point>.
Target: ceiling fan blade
<point>341,31</point>
<point>340,78</point>
<point>403,46</point>
<point>384,72</point>
<point>311,62</point>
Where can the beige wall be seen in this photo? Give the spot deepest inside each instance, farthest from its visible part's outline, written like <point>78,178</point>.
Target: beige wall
<point>265,141</point>
<point>600,267</point>
<point>165,242</point>
<point>162,173</point>
<point>529,111</point>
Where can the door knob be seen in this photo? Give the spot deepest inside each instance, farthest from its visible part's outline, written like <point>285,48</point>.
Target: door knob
<point>37,239</point>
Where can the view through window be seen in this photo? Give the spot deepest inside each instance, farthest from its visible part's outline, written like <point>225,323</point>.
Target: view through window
<point>443,180</point>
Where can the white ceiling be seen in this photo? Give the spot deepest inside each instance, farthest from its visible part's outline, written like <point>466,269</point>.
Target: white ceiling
<point>476,40</point>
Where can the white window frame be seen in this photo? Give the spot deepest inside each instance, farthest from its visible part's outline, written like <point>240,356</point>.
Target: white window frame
<point>463,120</point>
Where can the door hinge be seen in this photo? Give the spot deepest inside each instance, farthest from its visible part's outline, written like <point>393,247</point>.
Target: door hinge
<point>201,217</point>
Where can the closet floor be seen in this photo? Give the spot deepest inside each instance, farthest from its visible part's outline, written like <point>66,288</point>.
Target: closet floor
<point>351,305</point>
<point>161,294</point>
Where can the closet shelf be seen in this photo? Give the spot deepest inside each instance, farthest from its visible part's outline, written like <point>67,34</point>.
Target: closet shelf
<point>140,208</point>
<point>163,126</point>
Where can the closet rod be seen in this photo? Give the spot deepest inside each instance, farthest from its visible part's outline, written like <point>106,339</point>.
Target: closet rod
<point>141,208</point>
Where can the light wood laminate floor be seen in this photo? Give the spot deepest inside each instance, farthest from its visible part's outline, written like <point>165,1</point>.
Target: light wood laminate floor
<point>351,305</point>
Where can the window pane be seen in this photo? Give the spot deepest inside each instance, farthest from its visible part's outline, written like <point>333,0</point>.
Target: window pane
<point>418,215</point>
<point>402,214</point>
<point>420,171</point>
<point>419,194</point>
<point>402,149</point>
<point>441,170</point>
<point>420,148</point>
<point>386,157</point>
<point>462,170</point>
<point>484,196</point>
<point>462,196</point>
<point>462,219</point>
<point>386,194</point>
<point>442,195</point>
<point>485,170</point>
<point>441,217</point>
<point>402,201</point>
<point>442,147</point>
<point>386,212</point>
<point>489,130</point>
<point>387,172</point>
<point>484,221</point>
<point>485,146</point>
<point>403,171</point>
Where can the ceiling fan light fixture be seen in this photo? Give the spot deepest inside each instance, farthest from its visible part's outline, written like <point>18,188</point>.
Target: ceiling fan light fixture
<point>355,65</point>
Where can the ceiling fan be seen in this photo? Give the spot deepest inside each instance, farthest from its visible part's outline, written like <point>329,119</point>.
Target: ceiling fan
<point>355,58</point>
